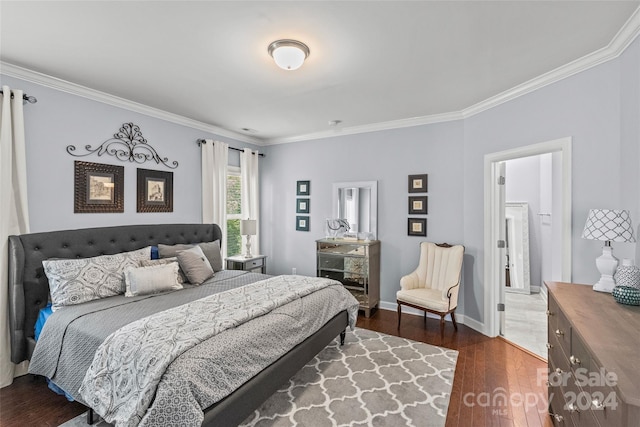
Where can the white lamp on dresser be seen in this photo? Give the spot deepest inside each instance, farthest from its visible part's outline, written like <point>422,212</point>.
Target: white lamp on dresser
<point>608,225</point>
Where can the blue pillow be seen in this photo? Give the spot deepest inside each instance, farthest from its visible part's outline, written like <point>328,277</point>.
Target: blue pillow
<point>154,252</point>
<point>42,317</point>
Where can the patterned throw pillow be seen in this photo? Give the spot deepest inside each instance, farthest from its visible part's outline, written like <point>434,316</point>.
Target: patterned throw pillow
<point>162,261</point>
<point>195,265</point>
<point>152,279</point>
<point>74,281</point>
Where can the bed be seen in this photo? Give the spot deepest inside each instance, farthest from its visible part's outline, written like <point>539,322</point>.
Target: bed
<point>29,293</point>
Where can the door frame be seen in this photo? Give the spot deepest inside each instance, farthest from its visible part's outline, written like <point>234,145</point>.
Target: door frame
<point>492,226</point>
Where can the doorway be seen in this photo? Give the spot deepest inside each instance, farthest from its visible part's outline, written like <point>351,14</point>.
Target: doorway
<point>558,255</point>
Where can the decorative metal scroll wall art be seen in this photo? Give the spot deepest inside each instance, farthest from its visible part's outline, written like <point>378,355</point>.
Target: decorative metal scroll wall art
<point>126,144</point>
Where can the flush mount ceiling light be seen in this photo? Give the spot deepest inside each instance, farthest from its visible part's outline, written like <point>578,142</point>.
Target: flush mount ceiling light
<point>288,54</point>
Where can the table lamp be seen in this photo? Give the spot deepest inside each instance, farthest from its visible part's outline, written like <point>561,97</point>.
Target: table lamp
<point>248,228</point>
<point>608,225</point>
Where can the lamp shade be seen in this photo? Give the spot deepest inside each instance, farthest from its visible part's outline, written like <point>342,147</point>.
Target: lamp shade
<point>248,227</point>
<point>288,54</point>
<point>612,225</point>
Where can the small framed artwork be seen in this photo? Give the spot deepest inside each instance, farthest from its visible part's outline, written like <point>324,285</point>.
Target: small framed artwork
<point>155,191</point>
<point>417,205</point>
<point>303,206</point>
<point>418,183</point>
<point>303,188</point>
<point>302,223</point>
<point>417,227</point>
<point>98,188</point>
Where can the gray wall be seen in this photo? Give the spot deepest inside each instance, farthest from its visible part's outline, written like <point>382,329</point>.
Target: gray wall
<point>59,119</point>
<point>386,156</point>
<point>599,108</point>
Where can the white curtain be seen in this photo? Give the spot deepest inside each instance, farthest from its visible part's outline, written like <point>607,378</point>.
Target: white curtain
<point>14,216</point>
<point>250,195</point>
<point>215,157</point>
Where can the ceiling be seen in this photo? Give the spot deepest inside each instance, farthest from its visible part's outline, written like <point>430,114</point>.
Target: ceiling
<point>371,62</point>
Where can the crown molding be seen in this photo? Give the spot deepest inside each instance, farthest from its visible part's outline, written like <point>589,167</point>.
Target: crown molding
<point>116,101</point>
<point>374,127</point>
<point>615,48</point>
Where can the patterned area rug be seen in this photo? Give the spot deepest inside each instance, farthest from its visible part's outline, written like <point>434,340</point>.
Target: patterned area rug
<point>373,380</point>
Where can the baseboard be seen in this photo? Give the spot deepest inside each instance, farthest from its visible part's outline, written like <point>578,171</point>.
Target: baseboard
<point>460,318</point>
<point>543,293</point>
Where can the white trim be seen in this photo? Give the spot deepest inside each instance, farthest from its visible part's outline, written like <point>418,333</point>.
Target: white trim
<point>373,127</point>
<point>460,318</point>
<point>618,44</point>
<point>491,252</point>
<point>96,95</point>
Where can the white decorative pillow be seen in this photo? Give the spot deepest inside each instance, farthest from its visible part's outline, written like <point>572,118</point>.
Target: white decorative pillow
<point>195,265</point>
<point>74,281</point>
<point>162,261</point>
<point>151,279</point>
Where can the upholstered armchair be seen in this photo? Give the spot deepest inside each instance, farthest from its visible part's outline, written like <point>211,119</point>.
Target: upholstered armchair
<point>433,287</point>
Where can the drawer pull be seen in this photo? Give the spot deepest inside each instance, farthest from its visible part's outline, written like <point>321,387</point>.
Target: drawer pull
<point>559,332</point>
<point>574,360</point>
<point>549,346</point>
<point>559,371</point>
<point>559,418</point>
<point>549,313</point>
<point>572,408</point>
<point>597,404</point>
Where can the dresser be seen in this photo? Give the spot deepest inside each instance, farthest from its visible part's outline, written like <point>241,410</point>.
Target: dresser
<point>594,358</point>
<point>354,263</point>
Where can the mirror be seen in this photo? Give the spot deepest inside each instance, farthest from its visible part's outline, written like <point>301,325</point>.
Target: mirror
<point>357,202</point>
<point>517,253</point>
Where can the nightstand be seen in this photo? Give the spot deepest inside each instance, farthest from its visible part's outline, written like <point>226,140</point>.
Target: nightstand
<point>254,263</point>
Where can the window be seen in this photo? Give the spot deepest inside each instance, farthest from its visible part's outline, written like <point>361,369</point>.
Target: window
<point>234,211</point>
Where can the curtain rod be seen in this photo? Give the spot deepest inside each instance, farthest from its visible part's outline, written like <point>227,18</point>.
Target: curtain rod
<point>29,99</point>
<point>204,141</point>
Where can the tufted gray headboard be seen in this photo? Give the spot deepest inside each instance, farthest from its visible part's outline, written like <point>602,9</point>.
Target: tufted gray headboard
<point>28,285</point>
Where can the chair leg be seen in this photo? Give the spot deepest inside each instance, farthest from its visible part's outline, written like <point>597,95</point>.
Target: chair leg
<point>453,320</point>
<point>441,326</point>
<point>399,314</point>
<point>425,318</point>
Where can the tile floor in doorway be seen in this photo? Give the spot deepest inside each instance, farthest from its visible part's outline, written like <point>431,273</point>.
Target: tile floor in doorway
<point>526,321</point>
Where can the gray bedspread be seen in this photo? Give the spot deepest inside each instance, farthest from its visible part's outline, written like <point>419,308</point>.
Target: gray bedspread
<point>200,376</point>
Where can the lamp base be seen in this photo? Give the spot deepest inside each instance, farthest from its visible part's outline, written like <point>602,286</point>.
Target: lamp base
<point>248,253</point>
<point>607,265</point>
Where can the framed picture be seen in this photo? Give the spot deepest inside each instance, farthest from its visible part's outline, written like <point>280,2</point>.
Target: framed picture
<point>417,227</point>
<point>303,188</point>
<point>303,206</point>
<point>417,205</point>
<point>155,191</point>
<point>98,188</point>
<point>302,223</point>
<point>418,183</point>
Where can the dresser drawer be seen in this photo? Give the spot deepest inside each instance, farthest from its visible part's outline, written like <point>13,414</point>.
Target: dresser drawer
<point>559,415</point>
<point>559,326</point>
<point>578,405</point>
<point>254,263</point>
<point>607,406</point>
<point>579,356</point>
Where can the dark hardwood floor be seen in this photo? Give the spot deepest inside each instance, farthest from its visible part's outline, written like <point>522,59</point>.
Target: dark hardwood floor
<point>496,384</point>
